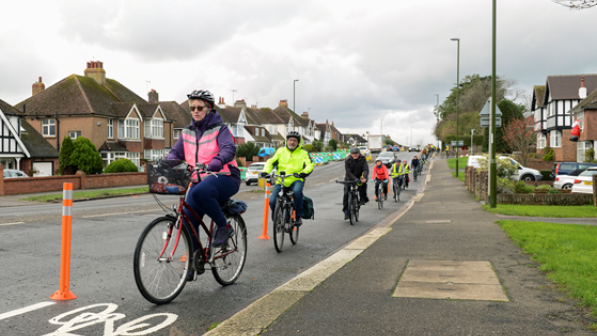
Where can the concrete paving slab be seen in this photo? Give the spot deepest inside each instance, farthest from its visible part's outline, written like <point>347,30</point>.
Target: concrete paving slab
<point>440,221</point>
<point>448,265</point>
<point>428,290</point>
<point>457,276</point>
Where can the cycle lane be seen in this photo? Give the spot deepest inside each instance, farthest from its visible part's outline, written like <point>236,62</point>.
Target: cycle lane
<point>101,273</point>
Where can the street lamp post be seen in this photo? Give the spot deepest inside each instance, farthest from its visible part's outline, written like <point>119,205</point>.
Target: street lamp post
<point>294,95</point>
<point>233,91</point>
<point>472,131</point>
<point>457,95</point>
<point>492,163</point>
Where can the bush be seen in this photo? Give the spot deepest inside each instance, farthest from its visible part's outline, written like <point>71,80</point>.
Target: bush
<point>317,145</point>
<point>546,174</point>
<point>504,167</point>
<point>504,186</point>
<point>544,186</point>
<point>247,150</point>
<point>86,157</point>
<point>553,191</point>
<point>308,148</point>
<point>521,188</point>
<point>334,144</point>
<point>549,155</point>
<point>121,166</point>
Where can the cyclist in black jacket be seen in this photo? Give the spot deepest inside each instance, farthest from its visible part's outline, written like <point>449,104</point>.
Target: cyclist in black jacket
<point>415,164</point>
<point>357,170</point>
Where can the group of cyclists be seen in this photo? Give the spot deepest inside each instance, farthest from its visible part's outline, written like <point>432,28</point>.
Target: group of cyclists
<point>208,140</point>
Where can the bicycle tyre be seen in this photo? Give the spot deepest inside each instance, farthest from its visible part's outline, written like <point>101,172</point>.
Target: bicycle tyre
<point>379,196</point>
<point>227,269</point>
<point>152,280</point>
<point>351,209</point>
<point>294,234</point>
<point>357,208</point>
<point>278,228</point>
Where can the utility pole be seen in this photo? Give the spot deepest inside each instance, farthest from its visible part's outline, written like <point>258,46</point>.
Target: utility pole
<point>492,164</point>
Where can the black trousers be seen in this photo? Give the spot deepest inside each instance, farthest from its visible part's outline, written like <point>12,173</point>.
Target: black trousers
<point>362,195</point>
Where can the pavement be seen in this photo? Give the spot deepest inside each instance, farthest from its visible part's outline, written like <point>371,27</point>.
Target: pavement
<point>441,267</point>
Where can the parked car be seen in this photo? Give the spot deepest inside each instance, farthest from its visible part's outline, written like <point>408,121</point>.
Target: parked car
<point>10,173</point>
<point>522,174</point>
<point>583,183</point>
<point>387,158</point>
<point>565,168</point>
<point>266,152</point>
<point>566,181</point>
<point>252,173</point>
<point>473,160</point>
<point>364,150</point>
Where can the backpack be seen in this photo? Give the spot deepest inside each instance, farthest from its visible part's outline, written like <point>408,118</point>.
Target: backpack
<point>308,211</point>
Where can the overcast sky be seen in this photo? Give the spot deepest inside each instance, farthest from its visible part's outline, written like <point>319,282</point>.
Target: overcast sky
<point>356,61</point>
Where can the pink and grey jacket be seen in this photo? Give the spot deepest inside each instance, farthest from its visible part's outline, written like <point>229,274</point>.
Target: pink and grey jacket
<point>214,141</point>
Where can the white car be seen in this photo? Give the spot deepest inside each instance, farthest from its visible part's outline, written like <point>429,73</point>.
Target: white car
<point>583,183</point>
<point>566,181</point>
<point>252,173</point>
<point>9,173</point>
<point>522,174</point>
<point>364,150</point>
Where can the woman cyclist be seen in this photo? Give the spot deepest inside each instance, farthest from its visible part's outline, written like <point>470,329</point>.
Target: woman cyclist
<point>207,140</point>
<point>380,174</point>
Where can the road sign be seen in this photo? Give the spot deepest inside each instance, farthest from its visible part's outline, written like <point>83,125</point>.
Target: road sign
<point>319,160</point>
<point>486,111</point>
<point>460,143</point>
<point>453,143</point>
<point>485,121</point>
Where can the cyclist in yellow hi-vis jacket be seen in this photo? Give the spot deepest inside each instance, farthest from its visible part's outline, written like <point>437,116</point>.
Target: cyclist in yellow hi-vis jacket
<point>401,168</point>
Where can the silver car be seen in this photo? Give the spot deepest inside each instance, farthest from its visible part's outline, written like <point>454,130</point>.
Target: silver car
<point>387,158</point>
<point>566,181</point>
<point>9,173</point>
<point>252,173</point>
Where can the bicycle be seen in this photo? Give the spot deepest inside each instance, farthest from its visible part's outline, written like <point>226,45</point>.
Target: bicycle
<point>284,214</point>
<point>416,172</point>
<point>397,182</point>
<point>354,205</point>
<point>379,191</point>
<point>162,265</point>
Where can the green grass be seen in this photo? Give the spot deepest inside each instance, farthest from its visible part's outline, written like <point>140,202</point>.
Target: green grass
<point>89,194</point>
<point>460,175</point>
<point>556,211</point>
<point>462,162</point>
<point>567,254</point>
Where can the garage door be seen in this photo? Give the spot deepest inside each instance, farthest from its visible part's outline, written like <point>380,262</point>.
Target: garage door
<point>43,168</point>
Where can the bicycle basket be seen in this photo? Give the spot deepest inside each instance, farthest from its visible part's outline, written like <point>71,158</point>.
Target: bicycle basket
<point>170,177</point>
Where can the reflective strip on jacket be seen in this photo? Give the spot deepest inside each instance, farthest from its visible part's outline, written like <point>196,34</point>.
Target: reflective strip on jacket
<point>208,149</point>
<point>400,170</point>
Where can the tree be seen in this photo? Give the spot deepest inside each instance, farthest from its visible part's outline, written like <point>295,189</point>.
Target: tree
<point>510,112</point>
<point>577,4</point>
<point>389,141</point>
<point>247,150</point>
<point>65,167</point>
<point>333,144</point>
<point>317,145</point>
<point>86,157</point>
<point>519,135</point>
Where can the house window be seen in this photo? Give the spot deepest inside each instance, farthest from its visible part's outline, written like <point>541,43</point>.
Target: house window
<point>581,148</point>
<point>541,140</point>
<point>48,127</point>
<point>155,154</point>
<point>128,129</point>
<point>555,138</point>
<point>154,128</point>
<point>74,134</point>
<point>176,134</point>
<point>110,128</point>
<point>552,108</point>
<point>134,157</point>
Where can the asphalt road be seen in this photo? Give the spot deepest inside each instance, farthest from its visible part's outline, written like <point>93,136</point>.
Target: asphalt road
<point>104,235</point>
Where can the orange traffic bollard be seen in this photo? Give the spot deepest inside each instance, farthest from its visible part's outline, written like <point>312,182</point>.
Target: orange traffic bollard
<point>389,183</point>
<point>265,213</point>
<point>67,203</point>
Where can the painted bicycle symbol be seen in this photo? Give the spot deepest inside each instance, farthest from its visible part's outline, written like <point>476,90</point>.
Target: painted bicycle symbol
<point>85,317</point>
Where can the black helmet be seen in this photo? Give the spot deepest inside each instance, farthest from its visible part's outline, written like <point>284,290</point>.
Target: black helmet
<point>204,95</point>
<point>294,134</point>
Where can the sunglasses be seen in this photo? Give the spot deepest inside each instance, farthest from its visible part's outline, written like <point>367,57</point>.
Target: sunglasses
<point>198,108</point>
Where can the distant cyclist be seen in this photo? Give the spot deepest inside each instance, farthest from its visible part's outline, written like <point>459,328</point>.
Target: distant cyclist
<point>380,175</point>
<point>290,159</point>
<point>415,164</point>
<point>357,170</point>
<point>405,169</point>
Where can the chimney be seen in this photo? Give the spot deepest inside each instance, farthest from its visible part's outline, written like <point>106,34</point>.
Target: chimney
<point>305,115</point>
<point>254,107</point>
<point>283,103</point>
<point>221,103</point>
<point>582,92</point>
<point>95,70</point>
<point>240,103</point>
<point>37,87</point>
<point>153,97</point>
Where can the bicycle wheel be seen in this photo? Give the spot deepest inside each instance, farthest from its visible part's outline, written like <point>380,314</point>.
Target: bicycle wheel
<point>160,280</point>
<point>229,259</point>
<point>379,196</point>
<point>278,227</point>
<point>294,234</point>
<point>356,207</point>
<point>352,218</point>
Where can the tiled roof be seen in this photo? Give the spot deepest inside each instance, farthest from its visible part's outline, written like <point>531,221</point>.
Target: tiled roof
<point>7,109</point>
<point>80,95</point>
<point>539,91</point>
<point>122,109</point>
<point>147,110</point>
<point>36,144</point>
<point>285,114</point>
<point>258,138</point>
<point>277,137</point>
<point>590,102</point>
<point>566,87</point>
<point>268,116</point>
<point>113,146</point>
<point>229,114</point>
<point>181,117</point>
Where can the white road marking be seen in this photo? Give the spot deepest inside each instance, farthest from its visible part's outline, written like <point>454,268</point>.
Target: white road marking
<point>120,213</point>
<point>14,223</point>
<point>25,310</point>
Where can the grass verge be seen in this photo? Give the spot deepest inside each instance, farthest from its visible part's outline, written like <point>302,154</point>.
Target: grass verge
<point>89,194</point>
<point>462,162</point>
<point>567,254</point>
<point>555,211</point>
<point>460,175</point>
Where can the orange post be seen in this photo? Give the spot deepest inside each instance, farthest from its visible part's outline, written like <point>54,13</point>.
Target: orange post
<point>389,183</point>
<point>265,212</point>
<point>67,203</point>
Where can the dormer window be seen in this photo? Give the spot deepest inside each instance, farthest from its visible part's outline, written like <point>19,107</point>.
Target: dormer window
<point>154,128</point>
<point>128,129</point>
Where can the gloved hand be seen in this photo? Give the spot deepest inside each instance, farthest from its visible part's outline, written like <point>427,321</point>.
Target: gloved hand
<point>303,175</point>
<point>357,180</point>
<point>215,165</point>
<point>263,174</point>
<point>386,181</point>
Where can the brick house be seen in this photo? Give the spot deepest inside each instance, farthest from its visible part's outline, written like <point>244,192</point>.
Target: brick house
<point>586,113</point>
<point>22,147</point>
<point>562,93</point>
<point>323,133</point>
<point>118,122</point>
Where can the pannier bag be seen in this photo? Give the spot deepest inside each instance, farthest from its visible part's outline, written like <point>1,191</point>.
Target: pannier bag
<point>170,177</point>
<point>308,211</point>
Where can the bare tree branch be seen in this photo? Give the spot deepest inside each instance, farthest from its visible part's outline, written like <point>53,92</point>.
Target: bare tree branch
<point>577,4</point>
